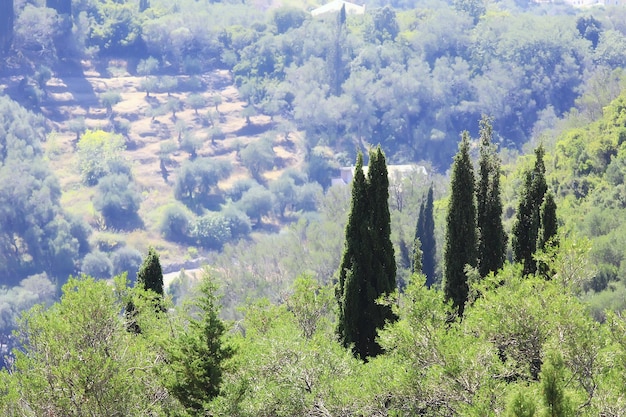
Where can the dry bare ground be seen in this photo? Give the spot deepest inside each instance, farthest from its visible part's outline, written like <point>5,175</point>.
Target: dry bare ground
<point>69,98</point>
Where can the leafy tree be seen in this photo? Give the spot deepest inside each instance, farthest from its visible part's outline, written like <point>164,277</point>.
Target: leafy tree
<point>126,260</point>
<point>284,191</point>
<point>425,233</point>
<point>256,203</point>
<point>175,224</point>
<point>147,66</point>
<point>97,265</point>
<point>76,359</point>
<point>117,200</point>
<point>109,99</point>
<point>98,151</point>
<point>492,239</point>
<point>196,179</point>
<point>150,275</point>
<point>258,156</point>
<point>77,126</point>
<point>363,276</point>
<point>527,222</point>
<point>199,351</point>
<point>461,235</point>
<point>211,231</point>
<point>286,18</point>
<point>196,102</point>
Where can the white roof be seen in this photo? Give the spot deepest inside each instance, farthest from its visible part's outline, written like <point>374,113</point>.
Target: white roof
<point>336,5</point>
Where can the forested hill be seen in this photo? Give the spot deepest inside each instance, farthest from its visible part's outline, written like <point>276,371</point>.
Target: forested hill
<point>204,127</point>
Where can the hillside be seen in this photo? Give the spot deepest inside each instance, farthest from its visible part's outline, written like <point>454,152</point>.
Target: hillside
<point>70,98</point>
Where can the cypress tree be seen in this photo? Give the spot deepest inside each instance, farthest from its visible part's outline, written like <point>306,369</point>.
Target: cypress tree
<point>461,234</point>
<point>425,232</point>
<point>527,223</point>
<point>549,224</point>
<point>150,275</point>
<point>492,237</point>
<point>368,268</point>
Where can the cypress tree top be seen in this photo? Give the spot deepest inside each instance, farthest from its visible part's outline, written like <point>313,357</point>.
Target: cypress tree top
<point>461,236</point>
<point>368,268</point>
<point>150,275</point>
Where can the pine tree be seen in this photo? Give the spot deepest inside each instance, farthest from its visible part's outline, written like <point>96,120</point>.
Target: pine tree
<point>492,238</point>
<point>150,275</point>
<point>425,232</point>
<point>527,223</point>
<point>197,355</point>
<point>368,268</point>
<point>461,234</point>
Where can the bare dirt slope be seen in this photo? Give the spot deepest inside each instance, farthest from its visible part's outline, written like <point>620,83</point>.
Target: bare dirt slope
<point>69,98</point>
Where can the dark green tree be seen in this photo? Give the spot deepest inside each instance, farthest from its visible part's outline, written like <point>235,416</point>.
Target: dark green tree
<point>150,274</point>
<point>549,225</point>
<point>196,356</point>
<point>526,227</point>
<point>335,55</point>
<point>7,18</point>
<point>425,232</point>
<point>461,233</point>
<point>492,239</point>
<point>368,266</point>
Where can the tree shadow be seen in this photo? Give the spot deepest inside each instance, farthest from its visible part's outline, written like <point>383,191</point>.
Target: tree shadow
<point>253,129</point>
<point>73,76</point>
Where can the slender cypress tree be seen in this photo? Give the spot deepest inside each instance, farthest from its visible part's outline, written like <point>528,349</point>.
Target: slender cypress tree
<point>549,224</point>
<point>368,268</point>
<point>492,237</point>
<point>461,234</point>
<point>7,17</point>
<point>150,275</point>
<point>547,231</point>
<point>382,256</point>
<point>527,223</point>
<point>425,232</point>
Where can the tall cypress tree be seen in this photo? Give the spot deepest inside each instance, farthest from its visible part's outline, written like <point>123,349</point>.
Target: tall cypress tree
<point>547,231</point>
<point>7,17</point>
<point>368,268</point>
<point>425,232</point>
<point>150,274</point>
<point>491,235</point>
<point>527,222</point>
<point>461,235</point>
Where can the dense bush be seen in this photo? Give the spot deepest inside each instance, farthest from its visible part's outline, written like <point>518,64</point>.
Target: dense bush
<point>212,231</point>
<point>97,265</point>
<point>117,200</point>
<point>175,223</point>
<point>128,260</point>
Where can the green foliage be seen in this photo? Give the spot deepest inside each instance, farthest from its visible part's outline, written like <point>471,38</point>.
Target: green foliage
<point>199,351</point>
<point>256,203</point>
<point>492,239</point>
<point>150,275</point>
<point>78,359</point>
<point>211,231</point>
<point>196,179</point>
<point>175,223</point>
<point>126,260</point>
<point>258,156</point>
<point>461,234</point>
<point>527,222</point>
<point>98,152</point>
<point>363,276</point>
<point>552,387</point>
<point>97,265</point>
<point>117,200</point>
<point>425,233</point>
